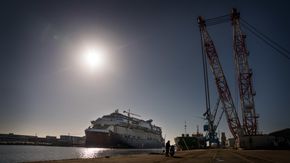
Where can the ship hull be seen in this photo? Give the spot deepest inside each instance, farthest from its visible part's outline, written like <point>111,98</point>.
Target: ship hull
<point>115,140</point>
<point>105,140</point>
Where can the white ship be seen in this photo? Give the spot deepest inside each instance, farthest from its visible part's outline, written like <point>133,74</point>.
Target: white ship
<point>123,131</point>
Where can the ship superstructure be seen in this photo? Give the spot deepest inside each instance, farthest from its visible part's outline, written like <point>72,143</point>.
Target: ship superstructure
<point>123,131</point>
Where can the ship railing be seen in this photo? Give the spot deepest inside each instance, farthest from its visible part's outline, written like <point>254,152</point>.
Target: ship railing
<point>139,127</point>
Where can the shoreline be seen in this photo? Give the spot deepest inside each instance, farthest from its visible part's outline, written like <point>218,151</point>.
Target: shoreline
<point>203,155</point>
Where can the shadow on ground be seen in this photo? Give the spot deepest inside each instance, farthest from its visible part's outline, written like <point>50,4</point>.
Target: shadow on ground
<point>177,157</point>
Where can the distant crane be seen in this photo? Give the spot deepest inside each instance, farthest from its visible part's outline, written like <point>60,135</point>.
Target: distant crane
<point>185,126</point>
<point>212,124</point>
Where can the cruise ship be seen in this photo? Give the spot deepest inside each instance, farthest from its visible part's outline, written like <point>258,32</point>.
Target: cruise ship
<point>117,130</point>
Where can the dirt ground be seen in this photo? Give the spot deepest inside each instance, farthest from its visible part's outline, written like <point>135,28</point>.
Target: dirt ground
<point>200,156</point>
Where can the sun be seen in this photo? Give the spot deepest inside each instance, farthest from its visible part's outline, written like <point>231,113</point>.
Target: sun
<point>94,58</point>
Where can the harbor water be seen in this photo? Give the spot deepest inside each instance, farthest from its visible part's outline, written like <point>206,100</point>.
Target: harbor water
<point>24,153</point>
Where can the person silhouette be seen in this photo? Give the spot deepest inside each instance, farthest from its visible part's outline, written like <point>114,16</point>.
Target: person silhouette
<point>167,146</point>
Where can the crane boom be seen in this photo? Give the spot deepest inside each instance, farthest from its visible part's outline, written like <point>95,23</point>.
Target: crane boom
<point>244,77</point>
<point>130,113</point>
<point>220,80</point>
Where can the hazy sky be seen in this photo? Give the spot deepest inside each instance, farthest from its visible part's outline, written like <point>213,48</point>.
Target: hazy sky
<point>154,64</point>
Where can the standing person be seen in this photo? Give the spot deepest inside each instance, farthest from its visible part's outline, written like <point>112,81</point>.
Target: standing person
<point>167,146</point>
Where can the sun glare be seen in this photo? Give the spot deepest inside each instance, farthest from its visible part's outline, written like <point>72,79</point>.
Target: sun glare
<point>94,58</point>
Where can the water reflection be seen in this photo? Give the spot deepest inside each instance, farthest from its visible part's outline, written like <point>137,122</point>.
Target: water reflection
<point>26,153</point>
<point>103,152</point>
<point>91,152</point>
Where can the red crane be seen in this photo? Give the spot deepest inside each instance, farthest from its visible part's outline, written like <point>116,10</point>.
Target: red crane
<point>244,77</point>
<point>209,51</point>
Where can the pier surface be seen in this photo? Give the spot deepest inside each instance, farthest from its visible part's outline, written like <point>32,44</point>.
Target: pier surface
<point>200,156</point>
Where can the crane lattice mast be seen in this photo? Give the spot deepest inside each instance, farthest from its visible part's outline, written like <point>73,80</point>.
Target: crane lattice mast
<point>220,80</point>
<point>244,77</point>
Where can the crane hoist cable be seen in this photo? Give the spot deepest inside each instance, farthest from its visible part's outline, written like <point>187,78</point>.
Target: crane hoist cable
<point>281,50</point>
